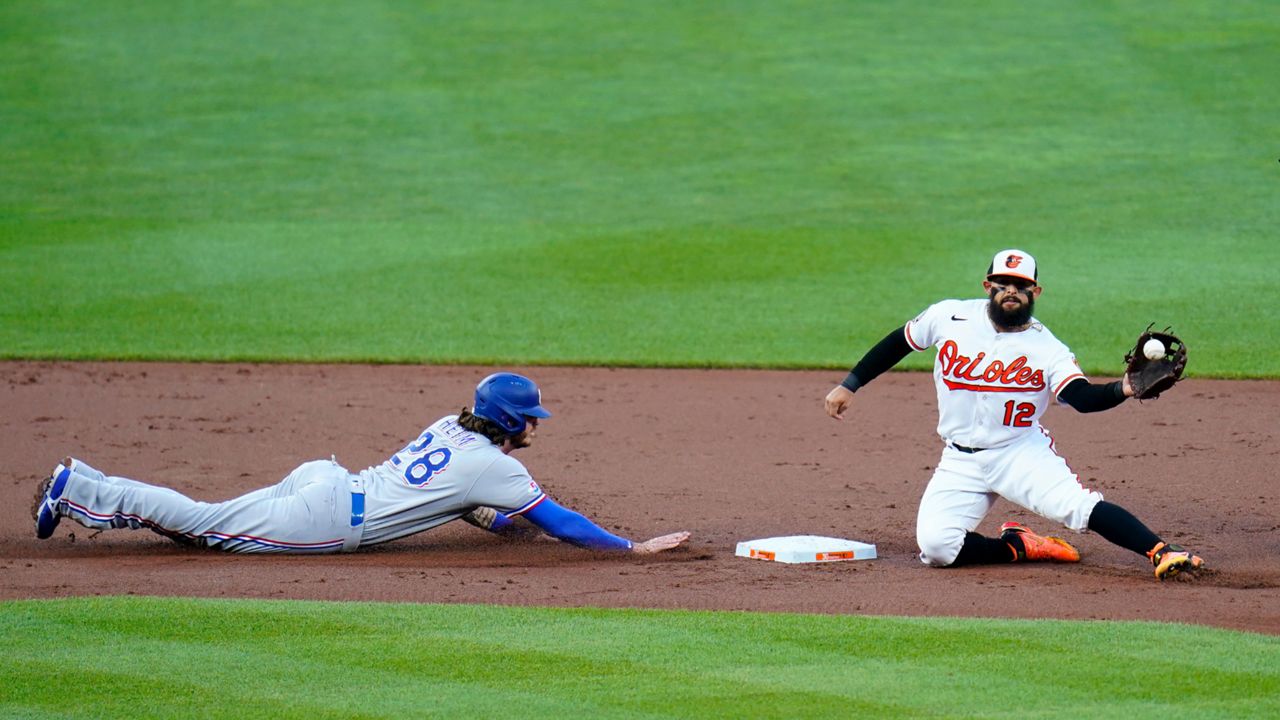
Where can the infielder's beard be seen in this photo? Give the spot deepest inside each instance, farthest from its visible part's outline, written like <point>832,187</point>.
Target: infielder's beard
<point>1010,319</point>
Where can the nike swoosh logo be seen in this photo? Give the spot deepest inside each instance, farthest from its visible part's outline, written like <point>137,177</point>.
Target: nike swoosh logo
<point>958,319</point>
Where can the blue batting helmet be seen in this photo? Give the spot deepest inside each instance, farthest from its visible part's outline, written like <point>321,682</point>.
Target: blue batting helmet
<point>507,399</point>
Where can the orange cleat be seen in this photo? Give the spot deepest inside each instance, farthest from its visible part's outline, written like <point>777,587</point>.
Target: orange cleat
<point>1032,547</point>
<point>1169,560</point>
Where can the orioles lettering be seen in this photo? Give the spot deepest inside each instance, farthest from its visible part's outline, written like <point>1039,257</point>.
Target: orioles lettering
<point>1015,376</point>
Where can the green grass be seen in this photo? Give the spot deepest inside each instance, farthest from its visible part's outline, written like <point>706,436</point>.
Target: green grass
<point>116,657</point>
<point>710,183</point>
<point>737,183</point>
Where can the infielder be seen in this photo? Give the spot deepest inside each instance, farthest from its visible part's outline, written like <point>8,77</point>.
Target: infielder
<point>996,372</point>
<point>459,467</point>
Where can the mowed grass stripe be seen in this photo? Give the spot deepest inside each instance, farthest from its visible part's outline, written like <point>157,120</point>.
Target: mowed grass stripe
<point>744,184</point>
<point>212,658</point>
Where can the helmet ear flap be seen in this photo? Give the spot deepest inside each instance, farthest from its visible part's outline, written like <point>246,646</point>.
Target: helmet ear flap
<point>508,423</point>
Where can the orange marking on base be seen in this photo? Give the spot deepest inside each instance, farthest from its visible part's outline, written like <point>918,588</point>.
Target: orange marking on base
<point>841,555</point>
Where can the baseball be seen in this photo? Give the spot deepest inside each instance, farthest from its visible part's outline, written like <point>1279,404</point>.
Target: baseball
<point>1153,349</point>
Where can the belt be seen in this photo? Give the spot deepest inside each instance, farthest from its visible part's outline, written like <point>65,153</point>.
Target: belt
<point>357,501</point>
<point>968,450</point>
<point>356,534</point>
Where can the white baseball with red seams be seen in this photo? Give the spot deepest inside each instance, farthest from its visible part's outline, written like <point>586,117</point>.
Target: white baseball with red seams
<point>993,387</point>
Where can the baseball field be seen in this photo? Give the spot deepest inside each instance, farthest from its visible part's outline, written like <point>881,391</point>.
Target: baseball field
<point>238,236</point>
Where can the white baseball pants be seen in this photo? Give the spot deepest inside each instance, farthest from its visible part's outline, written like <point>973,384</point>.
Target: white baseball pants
<point>1027,472</point>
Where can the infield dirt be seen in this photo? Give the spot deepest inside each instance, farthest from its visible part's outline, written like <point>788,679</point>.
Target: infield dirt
<point>728,455</point>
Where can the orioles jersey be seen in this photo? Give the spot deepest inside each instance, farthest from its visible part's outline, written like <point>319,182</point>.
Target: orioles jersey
<point>445,473</point>
<point>992,387</point>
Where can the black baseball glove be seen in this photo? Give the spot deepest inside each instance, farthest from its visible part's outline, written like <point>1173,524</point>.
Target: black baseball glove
<point>1150,377</point>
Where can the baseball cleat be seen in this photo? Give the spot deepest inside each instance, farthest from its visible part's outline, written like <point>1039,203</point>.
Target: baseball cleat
<point>1032,547</point>
<point>48,495</point>
<point>1170,560</point>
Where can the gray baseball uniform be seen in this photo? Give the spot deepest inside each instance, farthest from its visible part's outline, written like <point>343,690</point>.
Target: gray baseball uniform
<point>444,473</point>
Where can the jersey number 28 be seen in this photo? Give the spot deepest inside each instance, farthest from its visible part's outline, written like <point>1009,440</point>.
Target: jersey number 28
<point>427,463</point>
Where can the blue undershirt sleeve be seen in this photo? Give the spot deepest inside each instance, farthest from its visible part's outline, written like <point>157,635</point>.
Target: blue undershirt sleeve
<point>571,527</point>
<point>501,523</point>
<point>486,518</point>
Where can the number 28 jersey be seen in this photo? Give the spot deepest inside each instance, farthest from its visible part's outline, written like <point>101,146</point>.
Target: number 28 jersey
<point>444,473</point>
<point>992,387</point>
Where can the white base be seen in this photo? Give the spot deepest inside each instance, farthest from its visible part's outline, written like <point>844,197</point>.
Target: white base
<point>805,549</point>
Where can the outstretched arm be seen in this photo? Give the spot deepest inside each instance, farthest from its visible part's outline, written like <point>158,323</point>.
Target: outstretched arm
<point>1088,397</point>
<point>574,528</point>
<point>888,352</point>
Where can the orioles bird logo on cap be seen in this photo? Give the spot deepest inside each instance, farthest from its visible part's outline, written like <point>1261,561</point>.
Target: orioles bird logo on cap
<point>1013,261</point>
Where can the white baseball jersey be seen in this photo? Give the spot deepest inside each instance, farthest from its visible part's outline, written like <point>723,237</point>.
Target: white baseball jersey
<point>445,473</point>
<point>992,387</point>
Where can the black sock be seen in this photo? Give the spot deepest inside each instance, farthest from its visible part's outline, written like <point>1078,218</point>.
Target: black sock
<point>981,550</point>
<point>1119,526</point>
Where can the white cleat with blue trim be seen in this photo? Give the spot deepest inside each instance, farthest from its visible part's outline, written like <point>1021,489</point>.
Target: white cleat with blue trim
<point>48,496</point>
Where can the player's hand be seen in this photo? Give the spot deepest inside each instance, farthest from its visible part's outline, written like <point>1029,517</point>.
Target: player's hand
<point>1126,386</point>
<point>838,401</point>
<point>658,544</point>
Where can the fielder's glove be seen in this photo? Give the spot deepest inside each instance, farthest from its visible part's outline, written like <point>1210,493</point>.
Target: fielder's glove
<point>1149,377</point>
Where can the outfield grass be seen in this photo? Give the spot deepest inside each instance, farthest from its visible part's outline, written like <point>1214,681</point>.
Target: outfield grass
<point>761,183</point>
<point>746,183</point>
<point>182,658</point>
